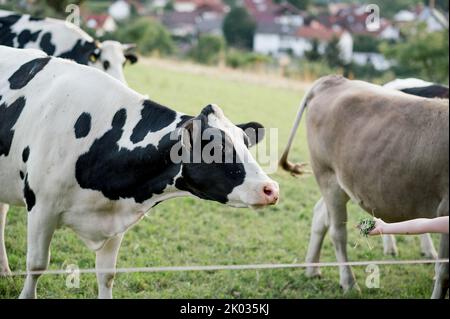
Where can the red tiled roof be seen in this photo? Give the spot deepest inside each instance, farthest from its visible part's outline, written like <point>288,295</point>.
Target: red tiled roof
<point>99,19</point>
<point>317,31</point>
<point>265,11</point>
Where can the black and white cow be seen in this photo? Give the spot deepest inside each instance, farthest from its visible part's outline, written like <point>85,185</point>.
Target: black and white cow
<point>419,88</point>
<point>99,170</point>
<point>66,40</point>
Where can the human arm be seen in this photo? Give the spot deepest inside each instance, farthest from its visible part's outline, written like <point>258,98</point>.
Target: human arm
<point>412,227</point>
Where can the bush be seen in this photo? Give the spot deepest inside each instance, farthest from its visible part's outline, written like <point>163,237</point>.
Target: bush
<point>366,43</point>
<point>423,54</point>
<point>149,36</point>
<point>311,71</point>
<point>208,49</point>
<point>241,59</point>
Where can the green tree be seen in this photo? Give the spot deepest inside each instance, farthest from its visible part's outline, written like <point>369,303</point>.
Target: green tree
<point>239,28</point>
<point>333,54</point>
<point>366,43</point>
<point>149,35</point>
<point>231,3</point>
<point>299,4</point>
<point>313,54</point>
<point>442,4</point>
<point>208,49</point>
<point>60,5</point>
<point>423,54</point>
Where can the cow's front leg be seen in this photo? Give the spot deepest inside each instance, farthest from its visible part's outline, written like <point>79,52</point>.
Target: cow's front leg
<point>441,284</point>
<point>41,228</point>
<point>4,266</point>
<point>336,201</point>
<point>319,229</point>
<point>106,259</point>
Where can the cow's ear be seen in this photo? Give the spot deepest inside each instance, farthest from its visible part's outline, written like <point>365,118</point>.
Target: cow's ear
<point>254,131</point>
<point>128,47</point>
<point>186,134</point>
<point>131,57</point>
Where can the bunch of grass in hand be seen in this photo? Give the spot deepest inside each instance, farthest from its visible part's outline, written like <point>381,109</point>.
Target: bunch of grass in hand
<point>366,225</point>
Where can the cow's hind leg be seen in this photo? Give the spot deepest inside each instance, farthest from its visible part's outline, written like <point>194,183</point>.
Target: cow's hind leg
<point>336,201</point>
<point>319,229</point>
<point>106,259</point>
<point>4,265</point>
<point>427,247</point>
<point>390,245</point>
<point>442,270</point>
<point>41,228</point>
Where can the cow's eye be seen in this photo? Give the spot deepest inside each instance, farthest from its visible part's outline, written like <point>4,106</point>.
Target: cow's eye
<point>106,65</point>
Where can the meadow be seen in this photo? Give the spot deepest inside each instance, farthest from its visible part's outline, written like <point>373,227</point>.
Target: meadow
<point>193,232</point>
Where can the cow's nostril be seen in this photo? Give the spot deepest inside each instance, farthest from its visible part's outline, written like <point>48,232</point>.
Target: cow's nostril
<point>268,191</point>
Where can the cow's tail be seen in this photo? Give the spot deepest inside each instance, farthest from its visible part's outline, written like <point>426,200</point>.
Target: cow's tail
<point>299,168</point>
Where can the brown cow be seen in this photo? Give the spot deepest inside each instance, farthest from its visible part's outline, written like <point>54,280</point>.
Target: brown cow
<point>385,150</point>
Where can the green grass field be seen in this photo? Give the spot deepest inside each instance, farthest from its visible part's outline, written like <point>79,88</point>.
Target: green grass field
<point>194,232</point>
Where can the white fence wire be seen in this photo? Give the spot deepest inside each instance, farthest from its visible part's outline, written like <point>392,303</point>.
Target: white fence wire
<point>229,267</point>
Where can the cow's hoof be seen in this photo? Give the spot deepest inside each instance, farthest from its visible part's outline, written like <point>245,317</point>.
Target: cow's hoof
<point>350,288</point>
<point>313,272</point>
<point>391,251</point>
<point>429,254</point>
<point>5,271</point>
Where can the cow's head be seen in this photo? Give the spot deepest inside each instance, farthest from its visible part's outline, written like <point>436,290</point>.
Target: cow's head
<point>217,164</point>
<point>111,57</point>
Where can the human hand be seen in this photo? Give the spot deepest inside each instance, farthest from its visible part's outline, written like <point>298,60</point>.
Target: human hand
<point>380,225</point>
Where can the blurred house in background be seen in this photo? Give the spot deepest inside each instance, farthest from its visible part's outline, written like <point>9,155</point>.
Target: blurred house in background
<point>120,10</point>
<point>189,18</point>
<point>102,24</point>
<point>282,28</point>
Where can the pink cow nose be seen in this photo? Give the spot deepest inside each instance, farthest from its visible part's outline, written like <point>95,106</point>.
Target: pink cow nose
<point>271,193</point>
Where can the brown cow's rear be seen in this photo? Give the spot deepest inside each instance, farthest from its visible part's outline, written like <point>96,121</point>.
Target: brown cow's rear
<point>385,150</point>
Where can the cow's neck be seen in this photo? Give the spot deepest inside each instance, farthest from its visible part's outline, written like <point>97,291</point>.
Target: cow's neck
<point>144,173</point>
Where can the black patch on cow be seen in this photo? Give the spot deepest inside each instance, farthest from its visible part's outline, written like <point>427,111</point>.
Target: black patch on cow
<point>30,197</point>
<point>140,173</point>
<point>208,110</point>
<point>22,175</point>
<point>26,36</point>
<point>26,154</point>
<point>118,172</point>
<point>213,181</point>
<point>255,133</point>
<point>83,125</point>
<point>8,118</point>
<point>6,35</point>
<point>184,119</point>
<point>106,65</point>
<point>80,52</point>
<point>46,44</point>
<point>36,18</point>
<point>432,91</point>
<point>154,117</point>
<point>27,72</point>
